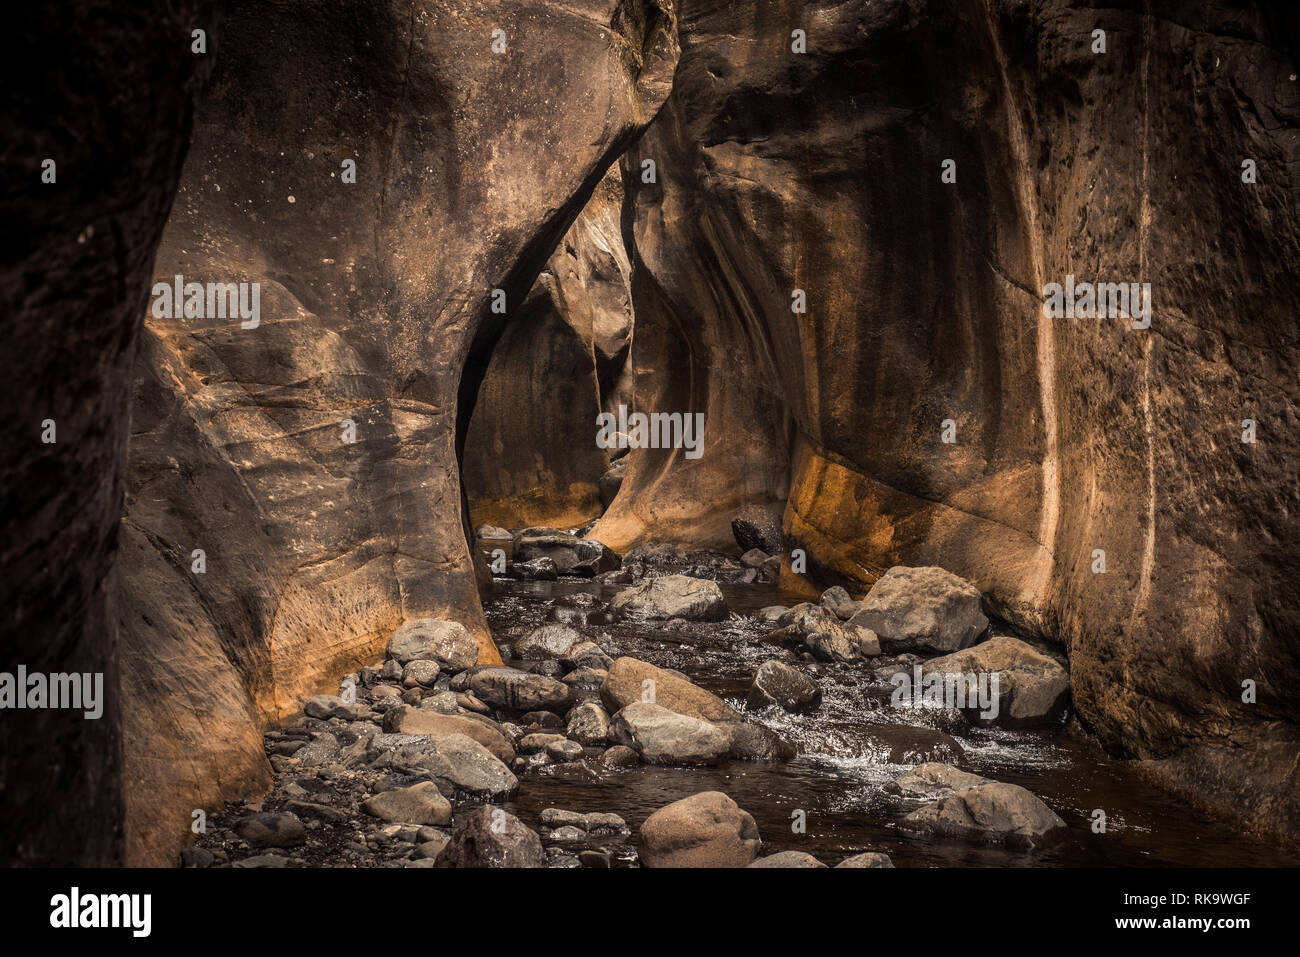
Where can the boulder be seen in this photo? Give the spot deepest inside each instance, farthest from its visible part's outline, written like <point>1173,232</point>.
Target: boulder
<point>933,779</point>
<point>757,531</point>
<point>517,690</point>
<point>925,610</point>
<point>407,720</point>
<point>549,641</point>
<point>838,602</point>
<point>331,706</point>
<point>661,736</point>
<point>572,555</point>
<point>588,724</point>
<point>828,638</point>
<point>705,830</point>
<point>454,760</point>
<point>776,683</point>
<point>995,812</point>
<point>272,829</point>
<point>538,570</point>
<point>420,803</point>
<point>1032,688</point>
<point>493,533</point>
<point>627,680</point>
<point>491,837</point>
<point>448,643</point>
<point>672,596</point>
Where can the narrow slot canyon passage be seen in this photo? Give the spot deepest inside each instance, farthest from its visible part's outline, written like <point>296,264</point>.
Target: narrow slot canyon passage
<point>656,433</point>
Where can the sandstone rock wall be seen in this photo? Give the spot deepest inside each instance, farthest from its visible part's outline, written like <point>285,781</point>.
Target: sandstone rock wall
<point>76,254</point>
<point>470,165</point>
<point>822,172</point>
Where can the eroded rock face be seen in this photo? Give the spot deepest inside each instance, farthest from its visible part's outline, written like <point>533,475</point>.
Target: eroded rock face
<point>924,312</point>
<point>76,258</point>
<point>530,455</point>
<point>375,316</point>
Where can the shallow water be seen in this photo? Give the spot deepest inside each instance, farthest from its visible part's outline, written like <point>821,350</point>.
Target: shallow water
<point>843,764</point>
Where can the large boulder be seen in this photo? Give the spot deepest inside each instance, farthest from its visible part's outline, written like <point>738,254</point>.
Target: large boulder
<point>454,760</point>
<point>994,812</point>
<point>776,683</point>
<point>705,830</point>
<point>661,736</point>
<point>572,555</point>
<point>672,596</point>
<point>491,837</point>
<point>923,610</point>
<point>448,643</point>
<point>518,690</point>
<point>1031,687</point>
<point>405,719</point>
<point>630,680</point>
<point>420,803</point>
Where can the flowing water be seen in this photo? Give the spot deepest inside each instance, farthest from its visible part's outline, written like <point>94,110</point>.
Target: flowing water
<point>845,749</point>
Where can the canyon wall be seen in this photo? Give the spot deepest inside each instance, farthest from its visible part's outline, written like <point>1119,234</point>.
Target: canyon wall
<point>823,171</point>
<point>530,457</point>
<point>76,254</point>
<point>379,169</point>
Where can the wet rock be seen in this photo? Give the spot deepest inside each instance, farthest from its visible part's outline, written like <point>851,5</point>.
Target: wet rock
<point>517,690</point>
<point>596,858</point>
<point>661,736</point>
<point>272,829</point>
<point>549,641</point>
<point>572,555</point>
<point>444,702</point>
<point>586,654</point>
<point>493,533</point>
<point>594,822</point>
<point>672,596</point>
<point>771,612</point>
<point>788,859</point>
<point>927,610</point>
<point>431,848</point>
<point>631,680</point>
<point>828,638</point>
<point>1032,688</point>
<point>753,742</point>
<point>754,558</point>
<point>564,751</point>
<point>538,570</point>
<point>533,743</point>
<point>434,639</point>
<point>408,720</point>
<point>460,763</point>
<point>838,602</point>
<point>263,860</point>
<point>705,830</point>
<point>867,859</point>
<point>420,803</point>
<point>580,608</point>
<point>995,812</point>
<point>620,756</point>
<point>778,684</point>
<point>586,679</point>
<point>541,719</point>
<point>932,779</point>
<point>588,724</point>
<point>491,837</point>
